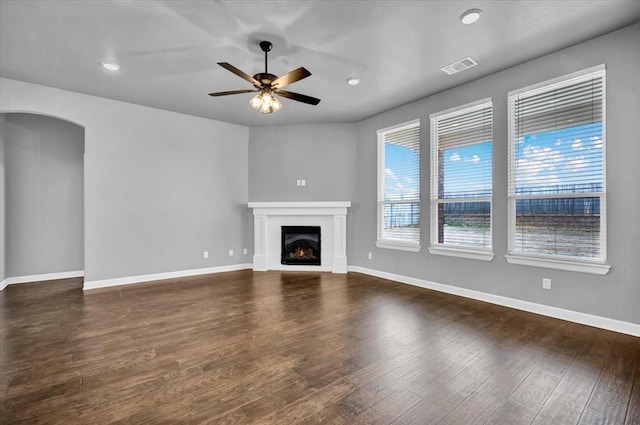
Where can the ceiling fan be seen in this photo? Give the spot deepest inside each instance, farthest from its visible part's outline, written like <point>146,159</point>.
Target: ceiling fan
<point>269,85</point>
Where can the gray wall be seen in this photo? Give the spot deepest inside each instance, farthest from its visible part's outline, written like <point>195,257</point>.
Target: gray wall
<point>43,159</point>
<point>168,191</point>
<point>615,295</point>
<point>160,187</point>
<point>322,154</point>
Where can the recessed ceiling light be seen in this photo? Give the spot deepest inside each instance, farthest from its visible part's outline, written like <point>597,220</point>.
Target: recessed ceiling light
<point>470,16</point>
<point>111,66</point>
<point>353,81</point>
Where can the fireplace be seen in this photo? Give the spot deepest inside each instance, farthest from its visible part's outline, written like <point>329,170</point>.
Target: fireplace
<point>269,217</point>
<point>301,245</point>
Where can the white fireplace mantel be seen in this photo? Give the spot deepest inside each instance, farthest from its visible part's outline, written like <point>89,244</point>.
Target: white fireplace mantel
<point>269,217</point>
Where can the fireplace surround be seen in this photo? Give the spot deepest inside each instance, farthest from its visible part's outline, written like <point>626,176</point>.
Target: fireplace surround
<point>330,217</point>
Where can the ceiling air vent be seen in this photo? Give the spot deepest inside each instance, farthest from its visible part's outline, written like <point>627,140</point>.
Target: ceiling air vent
<point>460,65</point>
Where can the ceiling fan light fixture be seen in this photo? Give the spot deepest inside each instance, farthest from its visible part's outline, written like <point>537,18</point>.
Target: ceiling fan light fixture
<point>470,16</point>
<point>353,81</point>
<point>256,101</point>
<point>265,102</point>
<point>111,66</point>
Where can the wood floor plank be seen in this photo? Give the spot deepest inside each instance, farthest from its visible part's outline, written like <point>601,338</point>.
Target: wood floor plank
<point>300,348</point>
<point>513,414</point>
<point>431,410</point>
<point>514,371</point>
<point>535,389</point>
<point>474,410</point>
<point>299,410</point>
<point>388,409</point>
<point>334,414</point>
<point>611,396</point>
<point>568,400</point>
<point>633,414</point>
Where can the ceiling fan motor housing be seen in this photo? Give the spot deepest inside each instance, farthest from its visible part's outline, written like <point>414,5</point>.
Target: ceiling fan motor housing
<point>265,78</point>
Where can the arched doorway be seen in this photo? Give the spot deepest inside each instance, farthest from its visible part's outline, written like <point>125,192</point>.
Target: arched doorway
<point>42,194</point>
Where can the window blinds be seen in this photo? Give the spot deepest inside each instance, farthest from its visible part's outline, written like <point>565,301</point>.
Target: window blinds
<point>556,183</point>
<point>465,127</point>
<point>461,170</point>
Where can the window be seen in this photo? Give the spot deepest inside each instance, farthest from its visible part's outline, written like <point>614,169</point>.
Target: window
<point>557,173</point>
<point>461,181</point>
<point>399,187</point>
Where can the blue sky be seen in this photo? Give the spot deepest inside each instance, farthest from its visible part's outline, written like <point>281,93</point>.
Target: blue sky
<point>402,173</point>
<point>560,157</point>
<point>467,170</point>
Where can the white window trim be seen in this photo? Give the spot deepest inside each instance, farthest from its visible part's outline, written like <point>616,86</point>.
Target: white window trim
<point>471,254</point>
<point>559,264</point>
<point>382,242</point>
<point>451,250</point>
<point>399,245</point>
<point>596,266</point>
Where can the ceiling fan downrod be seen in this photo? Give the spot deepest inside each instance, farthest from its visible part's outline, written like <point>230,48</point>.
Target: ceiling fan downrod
<point>266,48</point>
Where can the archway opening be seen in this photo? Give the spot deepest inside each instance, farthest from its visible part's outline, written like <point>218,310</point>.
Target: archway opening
<point>42,194</point>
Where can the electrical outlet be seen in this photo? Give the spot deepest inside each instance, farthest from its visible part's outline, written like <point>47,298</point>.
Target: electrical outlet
<point>303,182</point>
<point>546,283</point>
<point>370,256</point>
<point>298,182</point>
<point>231,253</point>
<point>245,251</point>
<point>205,254</point>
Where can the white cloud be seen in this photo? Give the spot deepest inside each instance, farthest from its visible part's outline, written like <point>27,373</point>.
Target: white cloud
<point>408,180</point>
<point>537,165</point>
<point>535,153</point>
<point>529,173</point>
<point>411,193</point>
<point>454,157</point>
<point>577,144</point>
<point>597,142</point>
<point>475,159</point>
<point>577,163</point>
<point>389,173</point>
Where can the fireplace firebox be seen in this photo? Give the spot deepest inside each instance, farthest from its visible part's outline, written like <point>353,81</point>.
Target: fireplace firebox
<point>301,245</point>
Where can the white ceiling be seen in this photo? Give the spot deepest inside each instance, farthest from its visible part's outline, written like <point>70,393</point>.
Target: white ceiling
<point>168,49</point>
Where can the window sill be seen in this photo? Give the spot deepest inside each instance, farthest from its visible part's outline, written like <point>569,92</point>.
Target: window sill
<point>399,245</point>
<point>462,253</point>
<point>551,263</point>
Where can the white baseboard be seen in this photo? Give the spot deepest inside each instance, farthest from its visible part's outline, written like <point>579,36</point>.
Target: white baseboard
<point>161,276</point>
<point>545,310</point>
<point>40,277</point>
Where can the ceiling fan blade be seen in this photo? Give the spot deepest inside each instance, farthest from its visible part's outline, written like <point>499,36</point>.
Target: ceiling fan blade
<point>297,96</point>
<point>290,78</point>
<point>240,74</point>
<point>226,93</point>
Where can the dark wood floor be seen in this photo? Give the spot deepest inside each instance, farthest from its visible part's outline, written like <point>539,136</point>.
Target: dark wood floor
<point>301,348</point>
